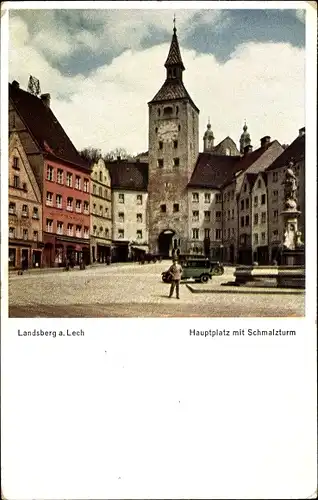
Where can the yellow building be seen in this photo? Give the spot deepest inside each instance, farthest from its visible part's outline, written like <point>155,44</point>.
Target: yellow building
<point>25,210</point>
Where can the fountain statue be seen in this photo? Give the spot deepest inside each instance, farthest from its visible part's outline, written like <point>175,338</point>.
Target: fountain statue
<point>292,237</point>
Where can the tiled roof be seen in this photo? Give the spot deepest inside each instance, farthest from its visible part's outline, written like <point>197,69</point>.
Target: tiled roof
<point>174,56</point>
<point>172,89</point>
<point>212,171</point>
<point>129,175</point>
<point>295,151</point>
<point>44,127</point>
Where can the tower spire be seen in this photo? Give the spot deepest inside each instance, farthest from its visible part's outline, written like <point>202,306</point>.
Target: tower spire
<point>174,24</point>
<point>174,64</point>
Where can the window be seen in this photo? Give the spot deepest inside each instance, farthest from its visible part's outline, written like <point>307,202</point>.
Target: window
<point>232,213</point>
<point>86,207</point>
<point>78,231</point>
<point>228,214</point>
<point>255,219</point>
<point>11,232</point>
<point>35,214</point>
<point>25,234</point>
<point>101,210</point>
<point>121,233</point>
<point>255,201</point>
<point>195,234</point>
<point>195,215</point>
<point>233,231</point>
<point>175,144</point>
<point>207,198</point>
<point>218,198</point>
<point>139,217</point>
<point>207,233</point>
<point>167,110</point>
<point>16,181</point>
<point>15,164</point>
<point>100,191</point>
<point>247,203</point>
<point>275,176</point>
<point>160,163</point>
<point>275,234</point>
<point>94,208</point>
<point>59,176</point>
<point>101,176</point>
<point>59,227</point>
<point>69,179</point>
<point>106,232</point>
<point>50,173</point>
<point>121,198</point>
<point>242,204</point>
<point>49,225</point>
<point>242,221</point>
<point>255,239</point>
<point>163,208</point>
<point>49,199</point>
<point>263,217</point>
<point>218,234</point>
<point>229,233</point>
<point>247,220</point>
<point>25,212</point>
<point>227,152</point>
<point>12,208</point>
<point>245,188</point>
<point>101,229</point>
<point>176,207</point>
<point>94,189</point>
<point>259,183</point>
<point>179,127</point>
<point>176,162</point>
<point>121,217</point>
<point>77,182</point>
<point>85,185</point>
<point>58,201</point>
<point>70,229</point>
<point>86,233</point>
<point>275,215</point>
<point>139,199</point>
<point>35,235</point>
<point>232,194</point>
<point>218,215</point>
<point>263,237</point>
<point>78,206</point>
<point>195,197</point>
<point>94,229</point>
<point>139,234</point>
<point>69,205</point>
<point>263,199</point>
<point>275,195</point>
<point>105,193</point>
<point>160,145</point>
<point>207,216</point>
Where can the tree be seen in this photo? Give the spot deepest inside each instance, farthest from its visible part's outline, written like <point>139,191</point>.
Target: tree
<point>34,86</point>
<point>115,153</point>
<point>90,154</point>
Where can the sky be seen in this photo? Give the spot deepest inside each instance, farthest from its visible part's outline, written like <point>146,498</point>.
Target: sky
<point>102,67</point>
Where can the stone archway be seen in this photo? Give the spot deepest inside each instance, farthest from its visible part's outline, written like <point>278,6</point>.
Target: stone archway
<point>165,242</point>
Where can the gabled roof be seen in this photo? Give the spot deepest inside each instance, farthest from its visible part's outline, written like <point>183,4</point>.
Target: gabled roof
<point>296,152</point>
<point>128,175</point>
<point>44,127</point>
<point>212,170</point>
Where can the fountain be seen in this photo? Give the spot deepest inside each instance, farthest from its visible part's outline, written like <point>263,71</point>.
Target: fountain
<point>290,273</point>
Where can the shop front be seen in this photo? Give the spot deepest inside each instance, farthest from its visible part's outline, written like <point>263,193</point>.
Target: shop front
<point>60,249</point>
<point>24,254</point>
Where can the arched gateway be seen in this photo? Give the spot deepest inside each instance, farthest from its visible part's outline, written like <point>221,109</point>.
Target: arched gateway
<point>168,243</point>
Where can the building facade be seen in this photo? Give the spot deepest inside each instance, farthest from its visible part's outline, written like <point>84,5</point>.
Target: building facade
<point>25,210</point>
<point>62,175</point>
<point>101,213</point>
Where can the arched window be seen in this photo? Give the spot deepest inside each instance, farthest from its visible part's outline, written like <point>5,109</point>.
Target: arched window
<point>101,176</point>
<point>159,112</point>
<point>227,152</point>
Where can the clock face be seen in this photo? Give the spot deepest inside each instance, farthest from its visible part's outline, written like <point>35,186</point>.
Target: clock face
<point>168,131</point>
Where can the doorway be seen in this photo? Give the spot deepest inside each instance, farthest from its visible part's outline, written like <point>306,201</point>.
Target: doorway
<point>165,243</point>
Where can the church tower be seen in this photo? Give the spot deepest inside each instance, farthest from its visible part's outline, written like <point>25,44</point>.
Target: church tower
<point>208,139</point>
<point>173,151</point>
<point>245,139</point>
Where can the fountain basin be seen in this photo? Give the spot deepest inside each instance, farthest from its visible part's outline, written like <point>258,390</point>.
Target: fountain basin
<point>271,276</point>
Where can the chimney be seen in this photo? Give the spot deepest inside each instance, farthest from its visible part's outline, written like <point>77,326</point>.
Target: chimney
<point>248,149</point>
<point>118,158</point>
<point>265,141</point>
<point>15,84</point>
<point>302,131</point>
<point>46,99</point>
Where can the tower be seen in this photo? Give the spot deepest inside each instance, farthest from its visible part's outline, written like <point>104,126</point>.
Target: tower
<point>208,139</point>
<point>245,139</point>
<point>173,151</point>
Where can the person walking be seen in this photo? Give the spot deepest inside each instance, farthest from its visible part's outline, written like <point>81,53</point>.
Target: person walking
<point>176,271</point>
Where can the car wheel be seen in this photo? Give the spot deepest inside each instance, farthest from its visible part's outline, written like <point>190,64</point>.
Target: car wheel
<point>204,278</point>
<point>218,271</point>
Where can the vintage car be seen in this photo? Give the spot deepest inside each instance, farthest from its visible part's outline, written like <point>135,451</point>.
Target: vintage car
<point>199,269</point>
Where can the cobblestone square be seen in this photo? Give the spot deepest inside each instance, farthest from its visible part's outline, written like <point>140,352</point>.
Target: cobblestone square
<point>132,290</point>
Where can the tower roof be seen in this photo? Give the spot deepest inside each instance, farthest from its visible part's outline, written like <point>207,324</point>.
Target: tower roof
<point>174,56</point>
